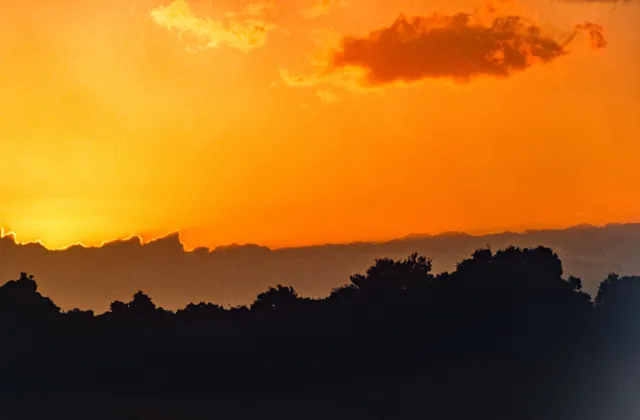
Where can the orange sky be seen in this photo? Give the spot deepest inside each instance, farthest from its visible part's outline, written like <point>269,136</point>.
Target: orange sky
<point>294,122</point>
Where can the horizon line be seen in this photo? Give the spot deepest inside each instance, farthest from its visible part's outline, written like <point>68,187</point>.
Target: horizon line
<point>177,233</point>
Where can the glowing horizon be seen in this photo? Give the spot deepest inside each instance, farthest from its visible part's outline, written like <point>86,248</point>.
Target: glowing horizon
<point>191,247</point>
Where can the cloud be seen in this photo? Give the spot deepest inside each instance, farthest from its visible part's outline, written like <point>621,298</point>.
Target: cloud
<point>328,97</point>
<point>252,10</point>
<point>595,32</point>
<point>256,9</point>
<point>202,33</point>
<point>459,47</point>
<point>323,7</point>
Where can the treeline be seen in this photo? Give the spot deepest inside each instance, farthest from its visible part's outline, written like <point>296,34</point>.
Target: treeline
<point>504,336</point>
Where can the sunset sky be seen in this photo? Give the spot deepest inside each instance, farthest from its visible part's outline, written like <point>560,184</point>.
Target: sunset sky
<point>298,122</point>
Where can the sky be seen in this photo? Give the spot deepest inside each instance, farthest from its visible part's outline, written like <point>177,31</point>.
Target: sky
<point>299,122</point>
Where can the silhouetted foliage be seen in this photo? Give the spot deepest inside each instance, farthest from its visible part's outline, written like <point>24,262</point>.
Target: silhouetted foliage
<point>505,336</point>
<point>80,315</point>
<point>276,300</point>
<point>20,300</point>
<point>619,292</point>
<point>200,311</point>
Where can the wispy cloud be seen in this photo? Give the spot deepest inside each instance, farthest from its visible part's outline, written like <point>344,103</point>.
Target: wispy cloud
<point>258,9</point>
<point>328,97</point>
<point>595,32</point>
<point>323,7</point>
<point>204,33</point>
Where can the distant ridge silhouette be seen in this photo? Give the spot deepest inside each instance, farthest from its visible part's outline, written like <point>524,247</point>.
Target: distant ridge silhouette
<point>92,277</point>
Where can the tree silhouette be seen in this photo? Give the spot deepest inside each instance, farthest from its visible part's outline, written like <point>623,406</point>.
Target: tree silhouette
<point>118,308</point>
<point>502,336</point>
<point>575,282</point>
<point>80,315</point>
<point>618,291</point>
<point>387,279</point>
<point>20,300</point>
<point>201,311</point>
<point>276,300</point>
<point>141,305</point>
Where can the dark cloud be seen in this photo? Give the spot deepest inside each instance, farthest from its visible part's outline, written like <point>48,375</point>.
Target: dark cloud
<point>458,47</point>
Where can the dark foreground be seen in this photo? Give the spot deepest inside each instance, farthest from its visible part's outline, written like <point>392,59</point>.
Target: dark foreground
<point>505,336</point>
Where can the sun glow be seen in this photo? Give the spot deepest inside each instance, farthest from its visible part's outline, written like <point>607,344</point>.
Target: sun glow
<point>115,121</point>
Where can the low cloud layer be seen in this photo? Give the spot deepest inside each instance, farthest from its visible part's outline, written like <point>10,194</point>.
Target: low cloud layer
<point>201,33</point>
<point>458,47</point>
